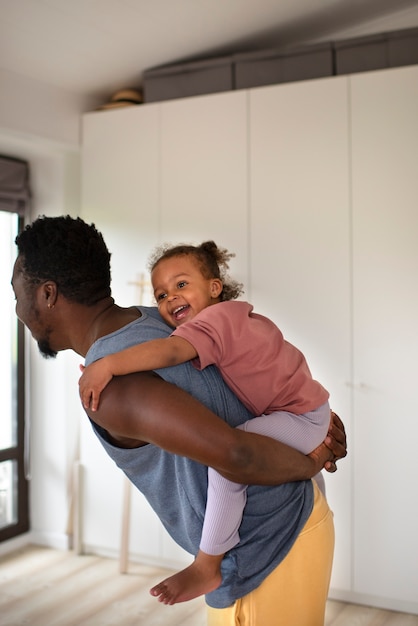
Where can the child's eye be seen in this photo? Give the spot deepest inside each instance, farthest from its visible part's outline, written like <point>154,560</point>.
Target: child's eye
<point>161,296</point>
<point>181,284</point>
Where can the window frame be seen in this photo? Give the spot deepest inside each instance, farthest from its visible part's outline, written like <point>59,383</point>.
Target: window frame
<point>17,453</point>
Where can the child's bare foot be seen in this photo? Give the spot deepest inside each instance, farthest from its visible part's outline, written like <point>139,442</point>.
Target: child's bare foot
<point>194,581</point>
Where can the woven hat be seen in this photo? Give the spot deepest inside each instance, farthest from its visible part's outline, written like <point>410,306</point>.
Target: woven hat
<point>123,98</point>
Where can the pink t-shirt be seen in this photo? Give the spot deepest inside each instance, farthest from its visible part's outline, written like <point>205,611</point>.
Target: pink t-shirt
<point>265,371</point>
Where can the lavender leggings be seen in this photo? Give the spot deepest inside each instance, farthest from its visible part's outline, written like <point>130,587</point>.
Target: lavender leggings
<point>226,500</point>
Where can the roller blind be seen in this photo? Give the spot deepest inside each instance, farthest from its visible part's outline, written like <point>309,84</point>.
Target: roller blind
<point>14,185</point>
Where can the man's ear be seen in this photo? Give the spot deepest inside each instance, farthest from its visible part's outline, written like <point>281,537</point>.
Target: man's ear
<point>216,287</point>
<point>49,293</point>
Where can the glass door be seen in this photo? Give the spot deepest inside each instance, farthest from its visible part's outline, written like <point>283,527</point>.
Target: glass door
<point>14,518</point>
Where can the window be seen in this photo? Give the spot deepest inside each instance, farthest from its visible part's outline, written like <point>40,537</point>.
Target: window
<point>14,198</point>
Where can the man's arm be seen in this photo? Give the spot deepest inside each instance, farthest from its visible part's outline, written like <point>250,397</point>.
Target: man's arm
<point>142,408</point>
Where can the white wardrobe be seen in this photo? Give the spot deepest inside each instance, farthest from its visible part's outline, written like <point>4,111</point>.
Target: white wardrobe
<point>314,186</point>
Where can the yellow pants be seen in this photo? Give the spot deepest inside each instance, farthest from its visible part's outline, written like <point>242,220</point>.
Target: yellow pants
<point>295,593</point>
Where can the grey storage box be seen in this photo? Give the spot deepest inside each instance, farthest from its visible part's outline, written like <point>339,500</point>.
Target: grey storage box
<point>188,79</point>
<point>361,54</point>
<point>403,47</point>
<point>377,52</point>
<point>283,65</point>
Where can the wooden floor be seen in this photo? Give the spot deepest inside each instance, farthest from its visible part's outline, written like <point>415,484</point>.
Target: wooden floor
<point>43,587</point>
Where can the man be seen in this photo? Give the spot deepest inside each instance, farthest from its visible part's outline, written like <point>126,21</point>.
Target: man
<point>163,438</point>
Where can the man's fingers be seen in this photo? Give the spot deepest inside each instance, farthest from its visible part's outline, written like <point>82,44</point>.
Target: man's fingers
<point>338,449</point>
<point>331,467</point>
<point>337,423</point>
<point>336,441</point>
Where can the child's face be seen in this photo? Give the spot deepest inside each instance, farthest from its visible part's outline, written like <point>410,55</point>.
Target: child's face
<point>180,289</point>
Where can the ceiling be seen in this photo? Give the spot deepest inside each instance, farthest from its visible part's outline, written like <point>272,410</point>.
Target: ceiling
<point>95,47</point>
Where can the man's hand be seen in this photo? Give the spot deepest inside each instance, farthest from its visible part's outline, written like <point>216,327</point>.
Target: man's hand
<point>333,448</point>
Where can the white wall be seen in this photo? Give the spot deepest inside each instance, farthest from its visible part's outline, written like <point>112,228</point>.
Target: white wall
<point>34,109</point>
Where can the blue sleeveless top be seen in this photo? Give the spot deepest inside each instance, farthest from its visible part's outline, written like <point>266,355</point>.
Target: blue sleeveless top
<point>176,486</point>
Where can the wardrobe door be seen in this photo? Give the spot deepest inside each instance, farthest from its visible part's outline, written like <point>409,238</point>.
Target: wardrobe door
<point>120,195</point>
<point>120,189</point>
<point>300,247</point>
<point>204,156</point>
<point>385,257</point>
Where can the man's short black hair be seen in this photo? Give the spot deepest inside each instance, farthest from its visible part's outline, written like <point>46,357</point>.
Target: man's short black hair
<point>69,252</point>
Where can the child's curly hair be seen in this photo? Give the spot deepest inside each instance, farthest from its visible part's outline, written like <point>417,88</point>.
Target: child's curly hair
<point>213,263</point>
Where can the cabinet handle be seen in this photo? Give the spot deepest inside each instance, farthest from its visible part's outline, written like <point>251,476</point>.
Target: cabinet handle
<point>361,386</point>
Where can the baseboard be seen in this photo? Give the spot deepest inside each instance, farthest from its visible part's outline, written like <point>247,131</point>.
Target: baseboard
<point>58,541</point>
<point>389,604</point>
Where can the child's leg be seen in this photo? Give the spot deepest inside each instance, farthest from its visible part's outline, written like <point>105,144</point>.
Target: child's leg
<point>295,593</point>
<point>224,506</point>
<point>226,500</point>
<point>303,432</point>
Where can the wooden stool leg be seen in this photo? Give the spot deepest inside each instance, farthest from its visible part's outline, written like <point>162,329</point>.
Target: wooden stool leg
<point>77,508</point>
<point>126,519</point>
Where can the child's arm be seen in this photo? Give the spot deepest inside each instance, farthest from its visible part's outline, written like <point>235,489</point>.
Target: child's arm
<point>150,355</point>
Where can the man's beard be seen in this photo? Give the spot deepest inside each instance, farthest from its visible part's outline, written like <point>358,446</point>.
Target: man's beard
<point>46,350</point>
